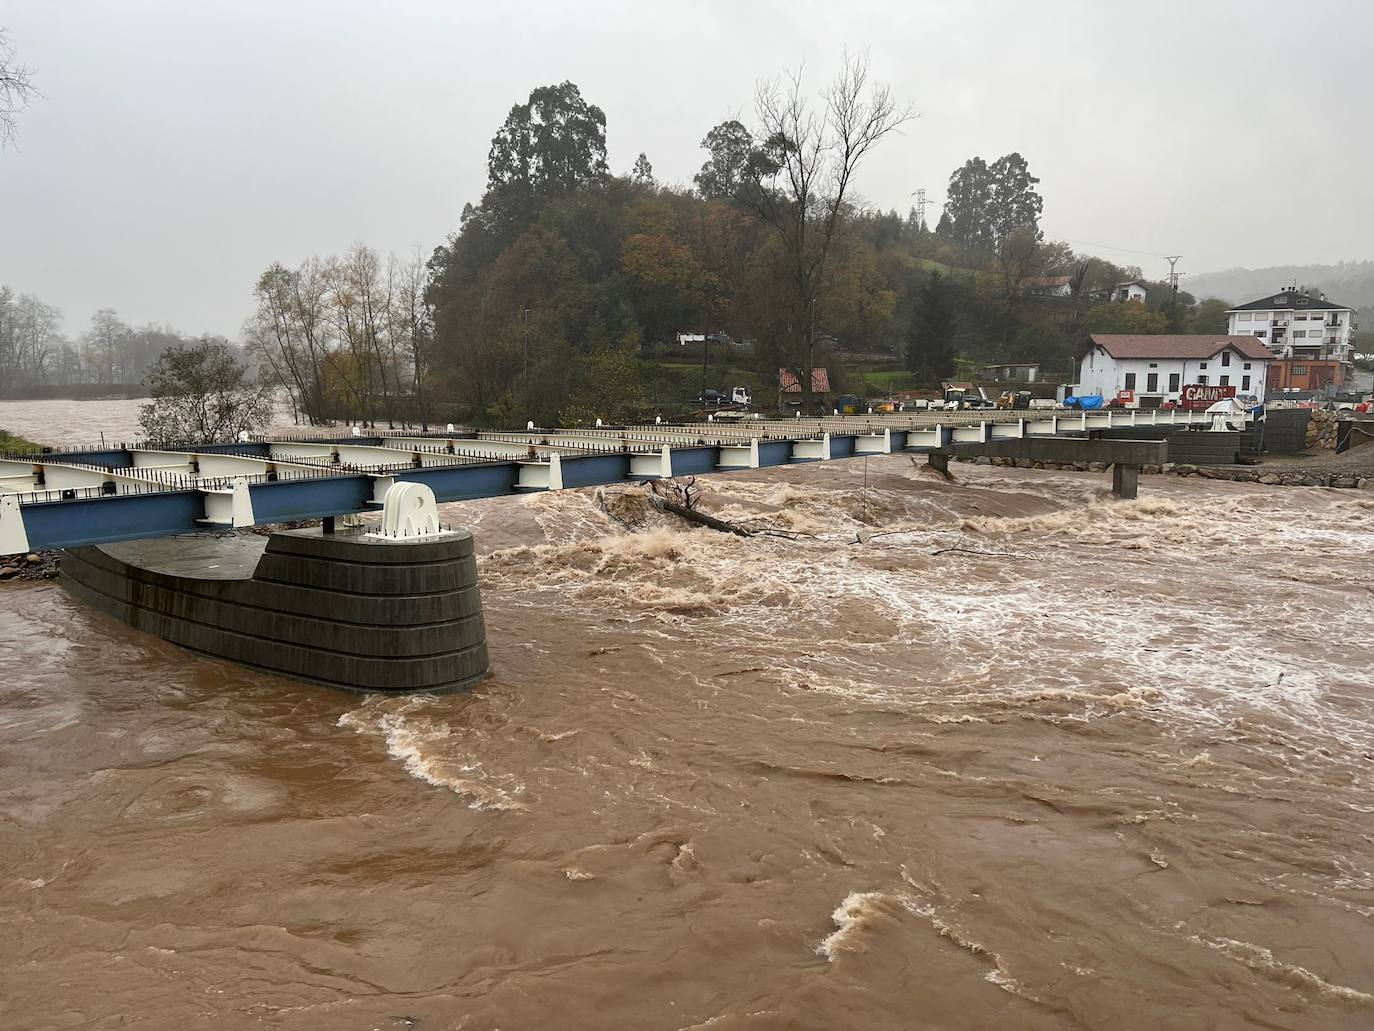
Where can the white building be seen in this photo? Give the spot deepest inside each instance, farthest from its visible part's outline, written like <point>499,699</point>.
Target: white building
<point>1132,291</point>
<point>1048,286</point>
<point>1023,372</point>
<point>1155,369</point>
<point>1299,324</point>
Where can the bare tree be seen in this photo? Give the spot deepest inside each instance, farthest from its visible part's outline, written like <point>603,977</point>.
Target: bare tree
<point>348,337</point>
<point>16,89</point>
<point>799,180</point>
<point>101,345</point>
<point>289,333</point>
<point>413,328</point>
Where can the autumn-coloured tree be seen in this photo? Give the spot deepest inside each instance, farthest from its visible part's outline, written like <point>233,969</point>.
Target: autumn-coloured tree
<point>1124,317</point>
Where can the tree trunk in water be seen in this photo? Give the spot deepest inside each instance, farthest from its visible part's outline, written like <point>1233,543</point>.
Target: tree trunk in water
<point>697,517</point>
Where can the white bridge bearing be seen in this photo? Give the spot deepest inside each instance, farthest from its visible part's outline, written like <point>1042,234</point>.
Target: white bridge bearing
<point>409,512</point>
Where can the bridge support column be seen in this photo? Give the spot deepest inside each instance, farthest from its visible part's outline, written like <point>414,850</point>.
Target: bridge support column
<point>1125,480</point>
<point>939,461</point>
<point>394,610</point>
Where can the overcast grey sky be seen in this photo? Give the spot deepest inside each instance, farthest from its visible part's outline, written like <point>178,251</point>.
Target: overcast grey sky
<point>180,146</point>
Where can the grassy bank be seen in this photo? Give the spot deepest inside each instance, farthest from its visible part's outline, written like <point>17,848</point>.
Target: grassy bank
<point>11,443</point>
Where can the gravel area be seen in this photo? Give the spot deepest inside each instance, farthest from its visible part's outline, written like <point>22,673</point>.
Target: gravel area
<point>1358,461</point>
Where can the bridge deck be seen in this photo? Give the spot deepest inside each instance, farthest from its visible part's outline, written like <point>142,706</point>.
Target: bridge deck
<point>100,495</point>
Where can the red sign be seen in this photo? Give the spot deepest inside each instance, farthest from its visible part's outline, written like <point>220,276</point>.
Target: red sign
<point>1199,395</point>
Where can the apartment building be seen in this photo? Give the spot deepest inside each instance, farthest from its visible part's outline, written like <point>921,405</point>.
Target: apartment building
<point>1301,327</point>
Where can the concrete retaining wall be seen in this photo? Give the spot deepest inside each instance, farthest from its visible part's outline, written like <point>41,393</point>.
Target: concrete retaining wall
<point>340,609</point>
<point>1285,430</point>
<point>1199,447</point>
<point>1206,447</point>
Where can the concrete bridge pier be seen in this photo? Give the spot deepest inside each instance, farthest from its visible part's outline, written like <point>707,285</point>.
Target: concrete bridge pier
<point>1125,480</point>
<point>392,610</point>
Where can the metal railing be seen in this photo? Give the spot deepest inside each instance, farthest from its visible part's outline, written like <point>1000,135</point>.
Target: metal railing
<point>107,490</point>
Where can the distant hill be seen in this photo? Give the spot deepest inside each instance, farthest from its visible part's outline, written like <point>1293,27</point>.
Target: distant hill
<point>1350,282</point>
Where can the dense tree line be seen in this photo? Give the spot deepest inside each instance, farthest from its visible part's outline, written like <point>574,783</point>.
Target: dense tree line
<point>34,351</point>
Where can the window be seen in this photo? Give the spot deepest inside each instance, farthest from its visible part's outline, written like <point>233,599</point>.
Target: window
<point>1299,370</point>
<point>1244,316</point>
<point>1130,381</point>
<point>1225,359</point>
<point>1152,383</point>
<point>1154,365</point>
<point>1245,383</point>
<point>1261,332</point>
<point>1300,332</point>
<point>1173,382</point>
<point>1202,365</point>
<point>1246,366</point>
<point>1225,381</point>
<point>1202,381</point>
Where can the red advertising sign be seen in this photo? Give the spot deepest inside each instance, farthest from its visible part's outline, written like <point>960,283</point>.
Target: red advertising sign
<point>1199,395</point>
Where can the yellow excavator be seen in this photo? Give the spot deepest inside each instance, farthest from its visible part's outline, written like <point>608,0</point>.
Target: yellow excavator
<point>1013,399</point>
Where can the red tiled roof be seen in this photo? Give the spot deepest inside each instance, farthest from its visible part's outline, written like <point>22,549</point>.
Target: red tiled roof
<point>1129,345</point>
<point>820,381</point>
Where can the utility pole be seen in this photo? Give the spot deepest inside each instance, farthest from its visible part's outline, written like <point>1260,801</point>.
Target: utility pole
<point>705,357</point>
<point>526,320</point>
<point>1173,260</point>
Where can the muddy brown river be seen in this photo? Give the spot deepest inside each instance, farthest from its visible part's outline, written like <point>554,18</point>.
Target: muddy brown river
<point>998,753</point>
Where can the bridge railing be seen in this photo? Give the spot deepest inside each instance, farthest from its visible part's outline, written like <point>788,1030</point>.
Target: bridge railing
<point>107,490</point>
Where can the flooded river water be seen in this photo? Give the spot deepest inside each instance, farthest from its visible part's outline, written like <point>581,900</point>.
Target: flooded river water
<point>998,753</point>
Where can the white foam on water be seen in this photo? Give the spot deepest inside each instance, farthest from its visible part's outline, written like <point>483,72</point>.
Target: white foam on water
<point>426,749</point>
<point>851,917</point>
<point>860,911</point>
<point>1049,625</point>
<point>1263,961</point>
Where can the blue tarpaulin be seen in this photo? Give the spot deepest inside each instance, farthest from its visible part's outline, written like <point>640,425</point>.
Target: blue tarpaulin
<point>1088,402</point>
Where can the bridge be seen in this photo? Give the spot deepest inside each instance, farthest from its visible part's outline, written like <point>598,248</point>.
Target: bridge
<point>99,495</point>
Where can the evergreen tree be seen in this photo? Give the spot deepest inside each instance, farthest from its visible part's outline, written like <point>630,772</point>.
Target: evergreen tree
<point>731,145</point>
<point>643,174</point>
<point>930,344</point>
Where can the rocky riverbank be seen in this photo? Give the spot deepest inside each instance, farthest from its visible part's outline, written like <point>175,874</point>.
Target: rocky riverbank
<point>36,565</point>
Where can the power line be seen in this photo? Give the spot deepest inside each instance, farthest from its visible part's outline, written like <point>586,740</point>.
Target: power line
<point>1108,247</point>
